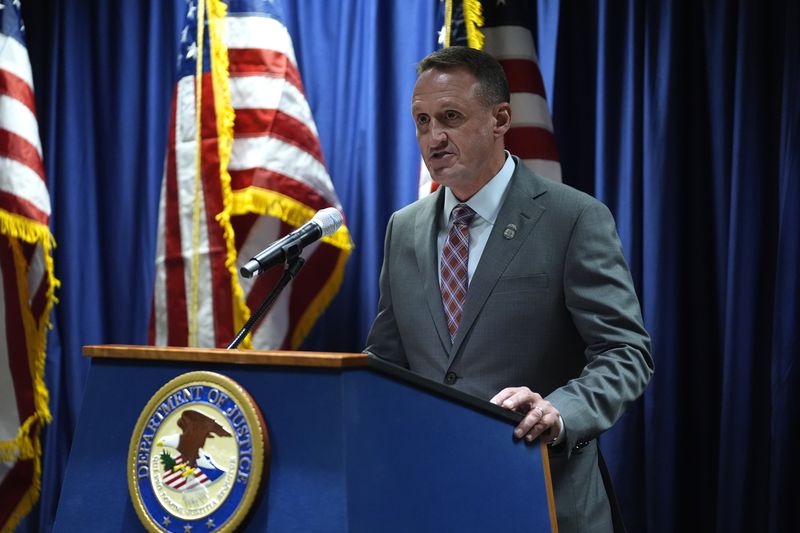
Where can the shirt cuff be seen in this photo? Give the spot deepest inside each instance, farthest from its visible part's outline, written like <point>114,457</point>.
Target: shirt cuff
<point>560,436</point>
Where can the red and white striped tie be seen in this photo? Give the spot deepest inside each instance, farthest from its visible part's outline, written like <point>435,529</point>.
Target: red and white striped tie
<point>455,259</point>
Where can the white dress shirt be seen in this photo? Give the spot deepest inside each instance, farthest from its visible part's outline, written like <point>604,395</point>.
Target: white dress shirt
<point>486,204</point>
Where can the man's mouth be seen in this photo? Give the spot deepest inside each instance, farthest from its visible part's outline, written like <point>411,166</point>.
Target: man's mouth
<point>438,156</point>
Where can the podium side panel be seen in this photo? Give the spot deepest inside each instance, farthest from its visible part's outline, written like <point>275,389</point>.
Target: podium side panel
<point>420,462</point>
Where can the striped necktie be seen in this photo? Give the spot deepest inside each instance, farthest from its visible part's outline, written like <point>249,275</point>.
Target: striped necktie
<point>455,258</point>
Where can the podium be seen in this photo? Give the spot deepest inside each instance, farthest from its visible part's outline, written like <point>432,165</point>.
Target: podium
<point>357,445</point>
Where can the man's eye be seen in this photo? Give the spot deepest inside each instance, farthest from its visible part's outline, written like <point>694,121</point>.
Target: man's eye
<point>451,115</point>
<point>422,120</point>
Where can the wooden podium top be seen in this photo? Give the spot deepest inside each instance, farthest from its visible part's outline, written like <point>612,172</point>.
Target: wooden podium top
<point>219,355</point>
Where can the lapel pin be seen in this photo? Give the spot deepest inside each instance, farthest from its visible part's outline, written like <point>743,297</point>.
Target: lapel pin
<point>510,231</point>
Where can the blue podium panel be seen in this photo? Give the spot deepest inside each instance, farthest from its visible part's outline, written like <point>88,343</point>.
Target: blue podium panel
<point>352,450</point>
<point>305,489</point>
<point>435,465</point>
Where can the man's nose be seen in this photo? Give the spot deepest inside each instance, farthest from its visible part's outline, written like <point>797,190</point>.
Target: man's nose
<point>438,134</point>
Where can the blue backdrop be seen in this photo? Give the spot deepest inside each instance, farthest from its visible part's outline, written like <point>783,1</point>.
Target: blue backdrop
<point>682,117</point>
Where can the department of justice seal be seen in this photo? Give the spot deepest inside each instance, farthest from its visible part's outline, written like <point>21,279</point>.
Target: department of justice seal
<point>197,455</point>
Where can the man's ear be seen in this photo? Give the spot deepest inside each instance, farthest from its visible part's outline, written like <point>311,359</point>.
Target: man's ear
<point>502,119</point>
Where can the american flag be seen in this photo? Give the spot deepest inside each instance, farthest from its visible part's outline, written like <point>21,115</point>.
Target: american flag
<point>183,477</point>
<point>26,276</point>
<point>508,37</point>
<point>261,174</point>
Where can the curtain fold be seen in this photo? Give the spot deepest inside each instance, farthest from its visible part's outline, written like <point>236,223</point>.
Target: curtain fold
<point>784,429</point>
<point>683,118</point>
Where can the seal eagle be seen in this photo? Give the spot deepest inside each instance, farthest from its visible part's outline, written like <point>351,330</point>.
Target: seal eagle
<point>196,428</point>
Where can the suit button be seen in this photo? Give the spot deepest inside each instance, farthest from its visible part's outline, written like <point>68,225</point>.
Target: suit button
<point>450,378</point>
<point>580,445</point>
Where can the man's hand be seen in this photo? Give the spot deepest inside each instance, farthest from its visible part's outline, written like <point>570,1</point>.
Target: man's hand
<point>542,417</point>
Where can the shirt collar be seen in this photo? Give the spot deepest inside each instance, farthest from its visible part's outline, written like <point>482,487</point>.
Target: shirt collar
<point>486,202</point>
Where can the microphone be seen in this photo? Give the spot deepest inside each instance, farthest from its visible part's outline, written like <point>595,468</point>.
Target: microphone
<point>325,222</point>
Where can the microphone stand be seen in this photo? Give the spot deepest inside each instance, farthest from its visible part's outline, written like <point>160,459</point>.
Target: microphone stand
<point>293,266</point>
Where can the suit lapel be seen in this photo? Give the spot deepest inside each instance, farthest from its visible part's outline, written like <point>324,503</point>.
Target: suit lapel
<point>521,209</point>
<point>425,234</point>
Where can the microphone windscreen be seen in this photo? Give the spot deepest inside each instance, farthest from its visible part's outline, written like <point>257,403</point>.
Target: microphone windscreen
<point>328,220</point>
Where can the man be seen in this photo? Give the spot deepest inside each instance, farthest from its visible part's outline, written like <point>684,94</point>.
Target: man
<point>510,287</point>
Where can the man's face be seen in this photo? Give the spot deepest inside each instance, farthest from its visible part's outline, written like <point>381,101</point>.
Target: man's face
<point>458,135</point>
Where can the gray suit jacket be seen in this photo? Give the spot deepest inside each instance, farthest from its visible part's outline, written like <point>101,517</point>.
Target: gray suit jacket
<point>552,308</point>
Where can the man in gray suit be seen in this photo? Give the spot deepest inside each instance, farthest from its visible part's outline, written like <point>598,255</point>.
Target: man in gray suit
<point>511,287</point>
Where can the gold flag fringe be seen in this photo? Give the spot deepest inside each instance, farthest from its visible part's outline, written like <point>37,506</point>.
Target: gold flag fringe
<point>473,19</point>
<point>448,22</point>
<point>266,202</point>
<point>26,445</point>
<point>225,117</point>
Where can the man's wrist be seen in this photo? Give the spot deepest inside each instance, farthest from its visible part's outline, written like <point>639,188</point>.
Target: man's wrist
<point>560,436</point>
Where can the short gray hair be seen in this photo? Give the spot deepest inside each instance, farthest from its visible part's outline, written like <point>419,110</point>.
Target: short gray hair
<point>492,82</point>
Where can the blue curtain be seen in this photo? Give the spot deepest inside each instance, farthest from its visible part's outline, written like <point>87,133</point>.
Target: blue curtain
<point>358,65</point>
<point>682,117</point>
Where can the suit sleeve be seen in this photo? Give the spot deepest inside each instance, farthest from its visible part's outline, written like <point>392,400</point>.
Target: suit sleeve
<point>602,301</point>
<point>383,340</point>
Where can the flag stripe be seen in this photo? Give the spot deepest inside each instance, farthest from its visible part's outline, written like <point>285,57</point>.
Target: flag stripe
<point>523,76</point>
<point>14,59</point>
<point>38,281</point>
<point>18,118</point>
<point>530,110</point>
<point>155,316</point>
<point>17,88</point>
<point>285,127</point>
<point>178,331</point>
<point>270,180</point>
<point>270,92</point>
<point>258,32</point>
<point>278,156</point>
<point>265,282</point>
<point>194,241</point>
<point>15,343</point>
<point>266,62</point>
<point>272,331</point>
<point>9,422</point>
<point>510,42</point>
<point>17,148</point>
<point>14,489</point>
<point>531,143</point>
<point>20,206</point>
<point>242,225</point>
<point>221,291</point>
<point>256,233</point>
<point>307,285</point>
<point>156,334</point>
<point>20,180</point>
<point>530,136</point>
